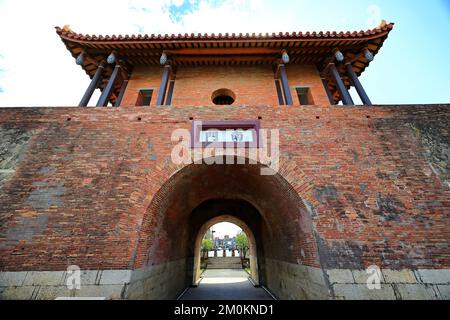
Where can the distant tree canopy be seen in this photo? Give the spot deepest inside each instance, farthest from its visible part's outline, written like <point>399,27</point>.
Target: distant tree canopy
<point>242,243</point>
<point>207,245</point>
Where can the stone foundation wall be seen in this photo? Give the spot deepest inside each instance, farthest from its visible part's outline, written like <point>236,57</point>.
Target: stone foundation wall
<point>422,284</point>
<point>288,281</point>
<point>49,285</point>
<point>298,282</point>
<point>160,282</point>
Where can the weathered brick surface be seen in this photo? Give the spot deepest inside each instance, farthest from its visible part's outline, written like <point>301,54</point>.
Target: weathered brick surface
<point>355,187</point>
<point>252,85</point>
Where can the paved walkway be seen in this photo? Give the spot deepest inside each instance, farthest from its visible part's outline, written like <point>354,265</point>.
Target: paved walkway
<point>225,284</point>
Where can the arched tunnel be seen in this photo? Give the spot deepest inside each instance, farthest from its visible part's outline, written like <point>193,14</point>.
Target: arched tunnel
<point>200,194</point>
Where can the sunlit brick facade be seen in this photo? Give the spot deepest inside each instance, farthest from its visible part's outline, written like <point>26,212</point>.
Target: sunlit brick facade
<point>97,187</point>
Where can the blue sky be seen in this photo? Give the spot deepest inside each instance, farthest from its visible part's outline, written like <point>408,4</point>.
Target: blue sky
<point>412,66</point>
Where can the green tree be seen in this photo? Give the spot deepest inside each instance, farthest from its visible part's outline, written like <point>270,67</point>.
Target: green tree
<point>207,245</point>
<point>242,243</point>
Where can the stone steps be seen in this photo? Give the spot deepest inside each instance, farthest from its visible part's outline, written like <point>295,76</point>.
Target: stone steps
<point>224,263</point>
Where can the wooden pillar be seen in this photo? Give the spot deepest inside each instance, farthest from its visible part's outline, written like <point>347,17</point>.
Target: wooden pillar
<point>93,85</point>
<point>345,95</point>
<point>170,93</point>
<point>327,90</point>
<point>279,92</point>
<point>358,86</point>
<point>122,92</point>
<point>163,86</point>
<point>285,83</point>
<point>107,91</point>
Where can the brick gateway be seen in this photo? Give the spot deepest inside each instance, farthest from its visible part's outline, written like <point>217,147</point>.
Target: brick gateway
<point>95,187</point>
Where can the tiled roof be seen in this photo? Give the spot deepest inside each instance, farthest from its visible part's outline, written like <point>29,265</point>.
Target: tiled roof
<point>206,49</point>
<point>69,34</point>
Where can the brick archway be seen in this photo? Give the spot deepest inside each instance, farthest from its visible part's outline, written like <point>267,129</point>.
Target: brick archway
<point>287,244</point>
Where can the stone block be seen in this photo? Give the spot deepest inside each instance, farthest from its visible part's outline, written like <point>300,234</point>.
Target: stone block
<point>361,276</point>
<point>10,279</point>
<point>444,291</point>
<point>52,292</point>
<point>417,292</point>
<point>135,290</point>
<point>399,276</point>
<point>316,275</point>
<point>17,293</point>
<point>340,276</point>
<point>314,291</point>
<point>115,277</point>
<point>44,278</point>
<point>361,292</point>
<point>434,276</point>
<point>107,291</point>
<point>88,277</point>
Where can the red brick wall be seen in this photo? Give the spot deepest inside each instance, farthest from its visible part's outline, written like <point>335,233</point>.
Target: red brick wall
<point>252,85</point>
<point>366,177</point>
<point>143,77</point>
<point>300,75</point>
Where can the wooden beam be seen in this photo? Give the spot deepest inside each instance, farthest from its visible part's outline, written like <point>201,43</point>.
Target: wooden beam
<point>170,93</point>
<point>279,92</point>
<point>93,85</point>
<point>358,86</point>
<point>107,91</point>
<point>345,95</point>
<point>121,93</point>
<point>285,83</point>
<point>218,51</point>
<point>163,86</point>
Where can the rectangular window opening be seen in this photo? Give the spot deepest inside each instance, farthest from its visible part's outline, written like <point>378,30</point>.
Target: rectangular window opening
<point>304,96</point>
<point>144,97</point>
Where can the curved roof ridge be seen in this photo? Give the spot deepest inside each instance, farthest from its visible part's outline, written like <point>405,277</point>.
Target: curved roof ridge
<point>383,27</point>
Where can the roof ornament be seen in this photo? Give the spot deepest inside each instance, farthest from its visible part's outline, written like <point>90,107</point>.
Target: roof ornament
<point>368,55</point>
<point>284,56</point>
<point>67,28</point>
<point>339,56</point>
<point>111,58</point>
<point>163,59</point>
<point>81,57</point>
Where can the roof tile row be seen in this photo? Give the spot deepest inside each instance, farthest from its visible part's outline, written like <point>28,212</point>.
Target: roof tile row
<point>67,33</point>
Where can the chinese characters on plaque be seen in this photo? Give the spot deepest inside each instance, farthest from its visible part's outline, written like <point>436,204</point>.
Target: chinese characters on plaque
<point>227,136</point>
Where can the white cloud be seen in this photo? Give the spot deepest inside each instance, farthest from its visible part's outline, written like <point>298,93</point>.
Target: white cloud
<point>177,3</point>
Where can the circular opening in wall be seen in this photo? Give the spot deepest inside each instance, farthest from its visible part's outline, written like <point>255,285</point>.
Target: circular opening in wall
<point>223,97</point>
